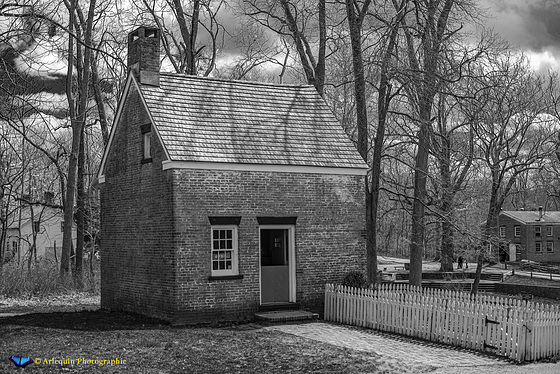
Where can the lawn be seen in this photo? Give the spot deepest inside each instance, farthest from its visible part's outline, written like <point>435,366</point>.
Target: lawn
<point>151,346</point>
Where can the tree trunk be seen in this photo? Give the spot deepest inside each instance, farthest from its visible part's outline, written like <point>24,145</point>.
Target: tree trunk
<point>80,212</point>
<point>418,205</point>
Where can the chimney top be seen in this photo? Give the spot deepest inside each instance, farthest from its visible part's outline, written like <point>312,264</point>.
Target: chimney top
<point>144,54</point>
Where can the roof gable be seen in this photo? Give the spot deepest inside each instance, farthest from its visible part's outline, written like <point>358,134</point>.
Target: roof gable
<point>212,120</point>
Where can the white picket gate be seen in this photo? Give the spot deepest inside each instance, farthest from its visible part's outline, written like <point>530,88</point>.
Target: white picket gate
<point>517,329</point>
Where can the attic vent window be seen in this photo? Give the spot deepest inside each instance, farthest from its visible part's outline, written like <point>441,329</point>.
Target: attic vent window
<point>146,131</point>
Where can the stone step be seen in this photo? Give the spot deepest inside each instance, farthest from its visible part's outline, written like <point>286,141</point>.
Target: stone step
<point>279,306</point>
<point>286,316</point>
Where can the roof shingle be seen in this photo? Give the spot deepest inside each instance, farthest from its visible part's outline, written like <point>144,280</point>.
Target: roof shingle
<point>212,120</point>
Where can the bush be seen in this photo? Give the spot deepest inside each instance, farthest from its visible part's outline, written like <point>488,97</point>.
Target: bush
<point>42,279</point>
<point>354,278</point>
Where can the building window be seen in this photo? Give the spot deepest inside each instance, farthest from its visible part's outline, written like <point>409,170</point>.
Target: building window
<point>502,231</point>
<point>537,231</point>
<point>549,247</point>
<point>548,230</point>
<point>517,231</point>
<point>538,247</point>
<point>224,251</point>
<point>146,143</point>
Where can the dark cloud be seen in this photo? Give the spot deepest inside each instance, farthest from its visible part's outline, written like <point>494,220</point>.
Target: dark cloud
<point>530,24</point>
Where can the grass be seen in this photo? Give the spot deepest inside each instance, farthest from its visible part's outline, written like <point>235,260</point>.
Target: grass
<point>151,346</point>
<point>42,279</point>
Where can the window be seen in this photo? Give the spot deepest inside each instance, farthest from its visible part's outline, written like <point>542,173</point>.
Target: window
<point>224,250</point>
<point>502,231</point>
<point>517,231</point>
<point>548,230</point>
<point>538,247</point>
<point>146,143</point>
<point>537,231</point>
<point>549,247</point>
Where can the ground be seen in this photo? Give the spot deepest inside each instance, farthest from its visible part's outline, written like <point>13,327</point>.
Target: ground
<point>71,326</point>
<point>148,345</point>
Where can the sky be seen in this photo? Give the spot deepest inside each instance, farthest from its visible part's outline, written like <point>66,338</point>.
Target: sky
<point>531,25</point>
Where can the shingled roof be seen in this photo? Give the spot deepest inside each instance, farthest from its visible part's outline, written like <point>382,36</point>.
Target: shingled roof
<point>532,217</point>
<point>213,120</point>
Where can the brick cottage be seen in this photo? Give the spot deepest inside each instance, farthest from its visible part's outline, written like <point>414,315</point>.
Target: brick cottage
<point>218,197</point>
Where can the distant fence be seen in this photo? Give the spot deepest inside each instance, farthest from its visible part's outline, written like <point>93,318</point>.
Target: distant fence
<point>520,330</point>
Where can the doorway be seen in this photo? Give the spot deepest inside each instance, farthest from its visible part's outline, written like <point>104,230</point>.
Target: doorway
<point>277,264</point>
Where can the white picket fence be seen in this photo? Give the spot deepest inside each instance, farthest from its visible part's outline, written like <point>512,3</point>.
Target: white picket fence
<point>520,330</point>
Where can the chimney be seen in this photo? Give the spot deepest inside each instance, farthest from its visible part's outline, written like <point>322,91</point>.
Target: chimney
<point>143,54</point>
<point>540,213</point>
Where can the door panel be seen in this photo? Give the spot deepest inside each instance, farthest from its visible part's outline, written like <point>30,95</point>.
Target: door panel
<point>275,271</point>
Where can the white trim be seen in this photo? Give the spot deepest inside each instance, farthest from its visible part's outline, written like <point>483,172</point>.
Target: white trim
<point>235,257</point>
<point>100,173</point>
<point>120,106</point>
<point>291,259</point>
<point>204,165</point>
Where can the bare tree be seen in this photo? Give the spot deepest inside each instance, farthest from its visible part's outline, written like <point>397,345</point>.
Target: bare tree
<point>514,133</point>
<point>296,19</point>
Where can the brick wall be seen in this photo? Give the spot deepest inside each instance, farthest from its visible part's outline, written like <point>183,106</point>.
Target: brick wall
<point>528,238</point>
<point>137,257</point>
<point>328,235</point>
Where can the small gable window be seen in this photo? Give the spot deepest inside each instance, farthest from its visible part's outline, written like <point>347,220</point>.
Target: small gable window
<point>517,231</point>
<point>146,143</point>
<point>548,230</point>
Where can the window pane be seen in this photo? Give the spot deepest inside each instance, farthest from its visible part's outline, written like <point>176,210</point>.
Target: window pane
<point>214,265</point>
<point>215,234</point>
<point>229,244</point>
<point>228,264</point>
<point>216,245</point>
<point>222,265</point>
<point>229,234</point>
<point>215,255</point>
<point>228,255</point>
<point>222,244</point>
<point>222,234</point>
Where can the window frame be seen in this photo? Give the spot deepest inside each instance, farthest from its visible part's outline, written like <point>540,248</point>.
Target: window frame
<point>538,247</point>
<point>234,271</point>
<point>538,230</point>
<point>517,231</point>
<point>549,231</point>
<point>551,246</point>
<point>146,151</point>
<point>502,232</point>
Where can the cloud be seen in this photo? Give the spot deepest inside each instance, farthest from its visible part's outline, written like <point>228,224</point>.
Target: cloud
<point>533,26</point>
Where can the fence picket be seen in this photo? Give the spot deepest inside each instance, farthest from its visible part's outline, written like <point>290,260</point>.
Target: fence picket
<point>522,330</point>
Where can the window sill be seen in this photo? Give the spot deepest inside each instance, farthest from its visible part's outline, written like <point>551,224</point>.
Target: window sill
<point>146,160</point>
<point>225,277</point>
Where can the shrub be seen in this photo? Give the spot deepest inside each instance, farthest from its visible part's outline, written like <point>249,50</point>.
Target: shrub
<point>354,278</point>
